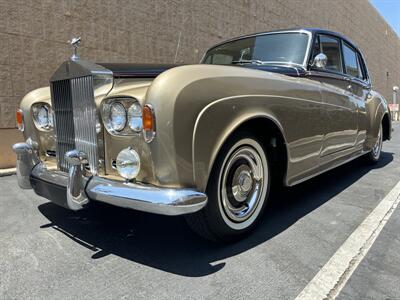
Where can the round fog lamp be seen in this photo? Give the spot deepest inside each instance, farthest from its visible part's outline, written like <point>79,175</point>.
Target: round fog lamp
<point>128,163</point>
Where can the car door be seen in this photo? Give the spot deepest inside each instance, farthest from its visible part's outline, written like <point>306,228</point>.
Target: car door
<point>356,69</point>
<point>339,104</point>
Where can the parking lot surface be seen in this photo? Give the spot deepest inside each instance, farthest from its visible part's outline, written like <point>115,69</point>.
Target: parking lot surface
<point>107,252</point>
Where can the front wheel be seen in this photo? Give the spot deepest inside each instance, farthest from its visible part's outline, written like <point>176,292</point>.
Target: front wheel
<point>237,191</point>
<point>375,154</point>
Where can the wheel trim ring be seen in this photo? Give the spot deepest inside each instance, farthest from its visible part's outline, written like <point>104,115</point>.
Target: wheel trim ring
<point>239,214</point>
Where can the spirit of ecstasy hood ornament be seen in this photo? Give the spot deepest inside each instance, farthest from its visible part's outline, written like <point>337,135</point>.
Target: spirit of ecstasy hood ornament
<point>75,42</point>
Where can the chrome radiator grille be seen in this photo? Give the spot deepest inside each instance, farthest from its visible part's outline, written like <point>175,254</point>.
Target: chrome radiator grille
<point>75,119</point>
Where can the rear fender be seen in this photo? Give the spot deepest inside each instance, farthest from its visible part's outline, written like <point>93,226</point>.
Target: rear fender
<point>376,107</point>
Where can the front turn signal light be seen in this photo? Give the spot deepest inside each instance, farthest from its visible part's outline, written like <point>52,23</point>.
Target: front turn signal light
<point>149,123</point>
<point>19,116</point>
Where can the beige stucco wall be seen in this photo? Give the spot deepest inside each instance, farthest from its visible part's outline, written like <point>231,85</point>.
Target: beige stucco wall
<point>33,35</point>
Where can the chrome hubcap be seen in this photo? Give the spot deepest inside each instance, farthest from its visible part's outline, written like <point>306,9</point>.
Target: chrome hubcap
<point>245,182</point>
<point>242,184</point>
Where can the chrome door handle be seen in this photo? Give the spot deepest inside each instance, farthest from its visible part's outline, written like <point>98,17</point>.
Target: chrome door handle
<point>349,86</point>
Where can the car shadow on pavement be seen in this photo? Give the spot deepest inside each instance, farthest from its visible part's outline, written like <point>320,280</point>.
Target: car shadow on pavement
<point>166,243</point>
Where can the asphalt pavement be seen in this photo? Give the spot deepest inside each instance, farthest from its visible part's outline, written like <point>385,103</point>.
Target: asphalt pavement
<point>47,252</point>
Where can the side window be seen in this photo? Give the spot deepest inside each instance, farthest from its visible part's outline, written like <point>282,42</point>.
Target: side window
<point>330,46</point>
<point>363,68</point>
<point>351,62</point>
<point>316,49</point>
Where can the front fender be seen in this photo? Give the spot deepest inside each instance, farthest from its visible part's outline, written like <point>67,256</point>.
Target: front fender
<point>211,131</point>
<point>197,107</point>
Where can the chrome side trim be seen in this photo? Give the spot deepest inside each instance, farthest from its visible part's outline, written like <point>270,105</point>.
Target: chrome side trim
<point>333,166</point>
<point>158,200</point>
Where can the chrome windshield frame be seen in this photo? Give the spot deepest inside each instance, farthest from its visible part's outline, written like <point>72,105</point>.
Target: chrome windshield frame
<point>300,31</point>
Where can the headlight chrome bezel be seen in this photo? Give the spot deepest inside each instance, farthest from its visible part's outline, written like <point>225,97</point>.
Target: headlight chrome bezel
<point>42,107</point>
<point>134,113</point>
<point>126,102</point>
<point>117,124</point>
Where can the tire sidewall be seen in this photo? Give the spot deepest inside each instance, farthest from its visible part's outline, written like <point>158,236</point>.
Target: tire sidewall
<point>375,158</point>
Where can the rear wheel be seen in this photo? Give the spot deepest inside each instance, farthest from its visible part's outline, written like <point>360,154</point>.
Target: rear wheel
<point>375,154</point>
<point>237,191</point>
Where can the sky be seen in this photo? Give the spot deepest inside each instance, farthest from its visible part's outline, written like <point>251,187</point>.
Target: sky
<point>390,11</point>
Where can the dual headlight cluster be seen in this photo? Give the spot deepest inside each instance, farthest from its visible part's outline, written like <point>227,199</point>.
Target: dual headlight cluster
<point>122,116</point>
<point>43,116</point>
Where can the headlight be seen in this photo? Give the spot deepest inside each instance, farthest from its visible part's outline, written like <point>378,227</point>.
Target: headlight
<point>117,116</point>
<point>128,163</point>
<point>122,116</point>
<point>43,116</point>
<point>135,117</point>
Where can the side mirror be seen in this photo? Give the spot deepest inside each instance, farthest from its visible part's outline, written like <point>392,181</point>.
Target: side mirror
<point>320,61</point>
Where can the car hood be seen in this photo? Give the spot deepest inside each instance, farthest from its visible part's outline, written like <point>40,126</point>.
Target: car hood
<point>130,70</point>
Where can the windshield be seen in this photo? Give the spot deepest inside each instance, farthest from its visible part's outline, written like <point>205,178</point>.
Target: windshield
<point>276,48</point>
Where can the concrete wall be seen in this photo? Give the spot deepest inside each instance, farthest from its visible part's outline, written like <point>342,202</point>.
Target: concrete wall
<point>33,34</point>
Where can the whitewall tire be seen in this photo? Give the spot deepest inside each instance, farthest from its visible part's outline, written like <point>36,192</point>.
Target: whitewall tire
<point>237,191</point>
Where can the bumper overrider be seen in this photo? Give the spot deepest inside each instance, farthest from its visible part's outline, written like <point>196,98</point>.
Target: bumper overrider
<point>73,190</point>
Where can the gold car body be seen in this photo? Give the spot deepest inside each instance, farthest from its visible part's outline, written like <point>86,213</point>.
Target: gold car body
<point>319,120</point>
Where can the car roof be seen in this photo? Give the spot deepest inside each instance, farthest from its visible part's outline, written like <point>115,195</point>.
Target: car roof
<point>311,30</point>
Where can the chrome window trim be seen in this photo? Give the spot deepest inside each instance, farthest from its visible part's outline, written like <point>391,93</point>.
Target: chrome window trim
<point>340,44</point>
<point>345,43</point>
<point>364,66</point>
<point>338,76</point>
<point>327,74</point>
<point>301,31</point>
<point>365,82</point>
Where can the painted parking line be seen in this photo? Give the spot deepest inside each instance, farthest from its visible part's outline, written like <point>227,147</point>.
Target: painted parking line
<point>330,280</point>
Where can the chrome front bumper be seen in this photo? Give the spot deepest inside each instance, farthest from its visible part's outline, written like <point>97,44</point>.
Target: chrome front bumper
<point>79,190</point>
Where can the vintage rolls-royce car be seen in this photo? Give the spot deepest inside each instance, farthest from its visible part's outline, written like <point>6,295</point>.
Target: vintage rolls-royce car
<point>203,140</point>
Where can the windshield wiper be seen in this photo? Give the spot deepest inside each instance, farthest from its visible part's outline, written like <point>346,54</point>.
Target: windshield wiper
<point>248,61</point>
